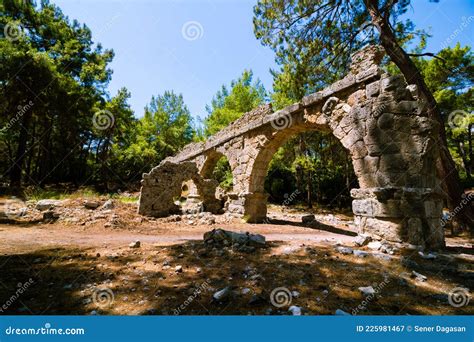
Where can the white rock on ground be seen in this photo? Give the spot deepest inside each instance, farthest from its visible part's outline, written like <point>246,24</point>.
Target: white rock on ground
<point>222,294</point>
<point>367,290</point>
<point>362,240</point>
<point>109,204</point>
<point>344,250</point>
<point>135,244</point>
<point>375,245</point>
<point>295,310</point>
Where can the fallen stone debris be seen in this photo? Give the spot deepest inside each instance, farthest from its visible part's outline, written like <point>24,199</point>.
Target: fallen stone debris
<point>220,237</point>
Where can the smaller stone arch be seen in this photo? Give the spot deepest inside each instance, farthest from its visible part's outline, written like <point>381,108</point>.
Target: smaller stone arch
<point>163,184</point>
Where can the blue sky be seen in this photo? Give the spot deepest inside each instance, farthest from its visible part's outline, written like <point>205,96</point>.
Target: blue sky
<point>154,52</point>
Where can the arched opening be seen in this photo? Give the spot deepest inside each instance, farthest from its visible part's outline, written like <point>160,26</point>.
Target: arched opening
<point>190,202</point>
<point>222,173</point>
<point>217,169</point>
<point>294,166</point>
<point>311,169</point>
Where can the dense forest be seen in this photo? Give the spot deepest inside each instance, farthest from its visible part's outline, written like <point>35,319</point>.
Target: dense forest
<point>60,125</point>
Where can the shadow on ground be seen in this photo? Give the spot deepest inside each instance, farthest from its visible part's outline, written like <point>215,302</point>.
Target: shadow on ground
<point>182,278</point>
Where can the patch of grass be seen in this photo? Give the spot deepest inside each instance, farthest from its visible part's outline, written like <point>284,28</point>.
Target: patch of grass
<point>36,194</point>
<point>125,199</point>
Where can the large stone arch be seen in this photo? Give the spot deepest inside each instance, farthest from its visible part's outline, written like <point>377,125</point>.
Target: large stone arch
<point>377,118</point>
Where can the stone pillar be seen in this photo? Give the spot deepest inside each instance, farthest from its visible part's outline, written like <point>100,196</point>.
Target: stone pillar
<point>400,214</point>
<point>252,206</point>
<point>391,142</point>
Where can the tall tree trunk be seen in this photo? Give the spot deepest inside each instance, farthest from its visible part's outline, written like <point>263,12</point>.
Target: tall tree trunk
<point>17,168</point>
<point>469,141</point>
<point>309,190</point>
<point>465,160</point>
<point>445,165</point>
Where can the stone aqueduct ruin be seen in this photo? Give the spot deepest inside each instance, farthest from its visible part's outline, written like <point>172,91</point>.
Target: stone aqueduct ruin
<point>376,117</point>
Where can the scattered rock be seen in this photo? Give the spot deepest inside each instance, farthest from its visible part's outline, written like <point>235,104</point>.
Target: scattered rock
<point>222,295</point>
<point>360,254</point>
<point>135,244</point>
<point>367,290</point>
<point>362,240</point>
<point>381,256</point>
<point>295,294</point>
<point>47,204</point>
<point>290,250</point>
<point>109,204</point>
<point>375,245</point>
<point>308,218</point>
<point>245,291</point>
<point>178,269</point>
<point>344,250</point>
<point>198,270</point>
<point>428,256</point>
<point>387,248</point>
<point>223,237</point>
<point>89,204</point>
<point>419,276</point>
<point>295,310</point>
<point>48,216</point>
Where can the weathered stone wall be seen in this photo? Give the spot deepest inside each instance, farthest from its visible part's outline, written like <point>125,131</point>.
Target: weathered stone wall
<point>377,119</point>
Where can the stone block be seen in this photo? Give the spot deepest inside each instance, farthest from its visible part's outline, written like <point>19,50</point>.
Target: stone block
<point>372,89</point>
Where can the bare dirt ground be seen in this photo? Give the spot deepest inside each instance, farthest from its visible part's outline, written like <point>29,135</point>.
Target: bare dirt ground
<point>82,263</point>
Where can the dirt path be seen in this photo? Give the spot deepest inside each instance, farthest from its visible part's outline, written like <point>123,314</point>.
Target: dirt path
<point>27,239</point>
